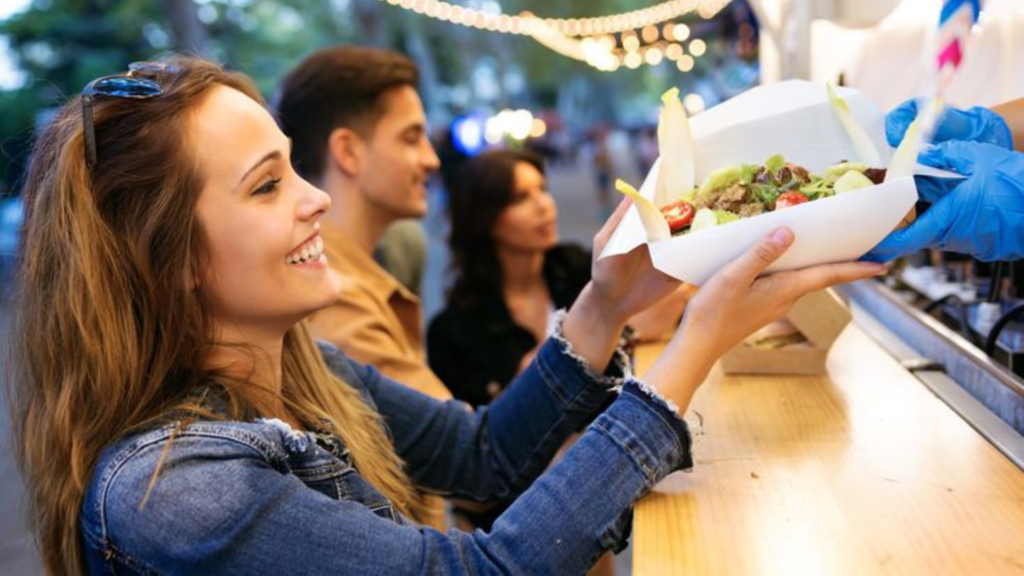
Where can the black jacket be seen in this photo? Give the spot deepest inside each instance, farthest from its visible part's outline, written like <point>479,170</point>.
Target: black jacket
<point>476,349</point>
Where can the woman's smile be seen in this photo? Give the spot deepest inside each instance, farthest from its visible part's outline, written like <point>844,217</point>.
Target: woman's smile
<point>309,253</point>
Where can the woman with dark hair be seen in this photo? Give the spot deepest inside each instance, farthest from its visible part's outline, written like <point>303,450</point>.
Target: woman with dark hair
<point>510,275</point>
<point>172,413</point>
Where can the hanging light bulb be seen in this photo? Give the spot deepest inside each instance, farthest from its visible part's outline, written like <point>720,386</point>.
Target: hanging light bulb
<point>698,47</point>
<point>668,31</point>
<point>649,34</point>
<point>693,103</point>
<point>680,32</point>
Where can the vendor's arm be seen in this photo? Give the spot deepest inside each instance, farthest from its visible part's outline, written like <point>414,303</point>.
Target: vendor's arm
<point>1013,113</point>
<point>982,215</point>
<point>977,124</point>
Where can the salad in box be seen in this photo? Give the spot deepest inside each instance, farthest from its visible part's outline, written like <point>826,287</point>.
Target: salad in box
<point>793,154</point>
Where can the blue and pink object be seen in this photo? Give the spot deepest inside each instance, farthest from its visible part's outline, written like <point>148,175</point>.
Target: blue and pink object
<point>955,23</point>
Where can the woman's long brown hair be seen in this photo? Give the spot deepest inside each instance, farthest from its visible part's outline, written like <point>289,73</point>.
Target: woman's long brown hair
<point>109,337</point>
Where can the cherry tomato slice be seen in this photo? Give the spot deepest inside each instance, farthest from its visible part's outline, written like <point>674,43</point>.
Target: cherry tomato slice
<point>789,199</point>
<point>678,214</point>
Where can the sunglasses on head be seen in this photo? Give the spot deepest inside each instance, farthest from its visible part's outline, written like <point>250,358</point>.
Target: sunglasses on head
<point>138,83</point>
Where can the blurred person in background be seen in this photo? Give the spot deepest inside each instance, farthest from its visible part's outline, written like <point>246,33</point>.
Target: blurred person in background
<point>646,146</point>
<point>601,164</point>
<point>359,132</point>
<point>402,252</point>
<point>510,275</point>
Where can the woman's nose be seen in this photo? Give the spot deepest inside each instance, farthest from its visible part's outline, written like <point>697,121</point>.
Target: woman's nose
<point>313,202</point>
<point>545,203</point>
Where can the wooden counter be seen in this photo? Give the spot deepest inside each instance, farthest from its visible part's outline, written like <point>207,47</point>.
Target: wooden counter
<point>862,471</point>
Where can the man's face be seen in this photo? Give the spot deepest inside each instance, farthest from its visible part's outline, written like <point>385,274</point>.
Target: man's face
<point>399,158</point>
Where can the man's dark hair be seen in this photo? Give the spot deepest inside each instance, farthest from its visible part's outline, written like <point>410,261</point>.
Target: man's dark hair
<point>334,88</point>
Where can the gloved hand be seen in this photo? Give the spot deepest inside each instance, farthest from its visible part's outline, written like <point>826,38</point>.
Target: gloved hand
<point>982,216</point>
<point>977,124</point>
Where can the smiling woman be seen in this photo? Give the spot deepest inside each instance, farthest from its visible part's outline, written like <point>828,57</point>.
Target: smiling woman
<point>173,414</point>
<point>255,290</point>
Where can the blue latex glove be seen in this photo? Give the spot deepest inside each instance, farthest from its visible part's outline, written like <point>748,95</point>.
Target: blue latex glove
<point>982,216</point>
<point>977,124</point>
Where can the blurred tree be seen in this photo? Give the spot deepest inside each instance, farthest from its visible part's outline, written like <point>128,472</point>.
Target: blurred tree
<point>183,17</point>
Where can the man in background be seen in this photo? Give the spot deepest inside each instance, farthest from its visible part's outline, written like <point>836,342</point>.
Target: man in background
<point>359,133</point>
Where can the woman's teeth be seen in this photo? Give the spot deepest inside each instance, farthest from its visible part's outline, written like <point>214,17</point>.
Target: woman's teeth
<point>309,253</point>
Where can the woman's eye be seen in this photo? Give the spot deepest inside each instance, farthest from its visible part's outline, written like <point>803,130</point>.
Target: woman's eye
<point>267,188</point>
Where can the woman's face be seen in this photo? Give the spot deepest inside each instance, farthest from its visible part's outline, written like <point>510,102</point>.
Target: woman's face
<point>264,269</point>
<point>530,222</point>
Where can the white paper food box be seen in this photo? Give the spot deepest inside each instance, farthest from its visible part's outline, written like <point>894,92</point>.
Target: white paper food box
<point>791,118</point>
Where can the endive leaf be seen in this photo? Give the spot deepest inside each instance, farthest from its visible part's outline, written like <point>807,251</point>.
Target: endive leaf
<point>905,158</point>
<point>676,172</point>
<point>862,144</point>
<point>653,220</point>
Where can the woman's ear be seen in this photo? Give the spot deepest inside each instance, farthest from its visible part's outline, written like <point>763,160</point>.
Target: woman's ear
<point>345,151</point>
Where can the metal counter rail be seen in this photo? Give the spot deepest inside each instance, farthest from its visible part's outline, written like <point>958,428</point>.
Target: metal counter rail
<point>987,396</point>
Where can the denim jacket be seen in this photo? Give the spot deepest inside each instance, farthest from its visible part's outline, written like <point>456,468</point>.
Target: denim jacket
<point>258,497</point>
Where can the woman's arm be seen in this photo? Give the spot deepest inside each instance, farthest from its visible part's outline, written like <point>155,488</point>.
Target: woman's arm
<point>619,288</point>
<point>498,450</point>
<point>221,507</point>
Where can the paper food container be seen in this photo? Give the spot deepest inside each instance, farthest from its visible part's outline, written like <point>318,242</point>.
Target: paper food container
<point>819,317</point>
<point>792,118</point>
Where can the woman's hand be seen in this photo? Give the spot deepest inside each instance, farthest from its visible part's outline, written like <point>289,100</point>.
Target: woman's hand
<point>629,283</point>
<point>733,304</point>
<point>619,287</point>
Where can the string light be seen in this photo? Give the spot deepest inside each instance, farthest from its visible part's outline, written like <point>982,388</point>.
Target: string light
<point>526,24</point>
<point>590,40</point>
